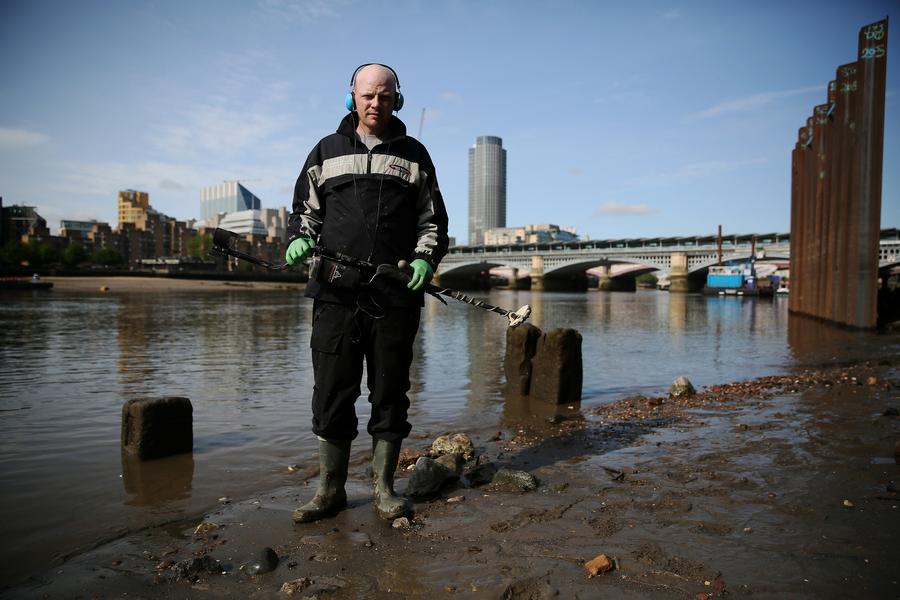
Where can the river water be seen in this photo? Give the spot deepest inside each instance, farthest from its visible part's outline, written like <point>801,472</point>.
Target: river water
<point>69,362</point>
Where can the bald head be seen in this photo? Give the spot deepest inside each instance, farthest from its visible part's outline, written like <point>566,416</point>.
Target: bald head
<point>375,74</point>
<point>374,95</point>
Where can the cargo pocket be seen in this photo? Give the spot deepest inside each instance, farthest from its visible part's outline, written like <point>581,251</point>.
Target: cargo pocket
<point>329,326</point>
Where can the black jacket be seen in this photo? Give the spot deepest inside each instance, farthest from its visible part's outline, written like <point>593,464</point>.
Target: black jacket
<point>382,205</point>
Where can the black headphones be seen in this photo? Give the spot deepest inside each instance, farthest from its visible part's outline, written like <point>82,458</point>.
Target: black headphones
<point>398,96</point>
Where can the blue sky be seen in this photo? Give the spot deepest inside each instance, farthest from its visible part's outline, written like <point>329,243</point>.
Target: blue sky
<point>622,119</point>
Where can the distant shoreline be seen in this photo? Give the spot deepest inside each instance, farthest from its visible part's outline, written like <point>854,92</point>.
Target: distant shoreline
<point>112,284</point>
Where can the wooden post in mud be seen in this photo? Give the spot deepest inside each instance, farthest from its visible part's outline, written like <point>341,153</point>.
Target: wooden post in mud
<point>157,427</point>
<point>546,366</point>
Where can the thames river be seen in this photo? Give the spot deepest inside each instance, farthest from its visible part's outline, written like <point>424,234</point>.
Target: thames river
<point>69,362</point>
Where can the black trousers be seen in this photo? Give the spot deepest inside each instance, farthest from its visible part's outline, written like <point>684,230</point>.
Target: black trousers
<point>341,338</point>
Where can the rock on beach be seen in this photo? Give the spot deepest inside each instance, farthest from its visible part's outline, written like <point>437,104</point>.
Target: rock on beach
<point>456,443</point>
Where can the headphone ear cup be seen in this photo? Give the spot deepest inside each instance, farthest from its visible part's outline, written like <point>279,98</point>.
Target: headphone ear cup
<point>348,101</point>
<point>398,103</point>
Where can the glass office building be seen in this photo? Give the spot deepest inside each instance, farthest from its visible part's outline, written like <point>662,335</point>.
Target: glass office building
<point>226,197</point>
<point>487,187</point>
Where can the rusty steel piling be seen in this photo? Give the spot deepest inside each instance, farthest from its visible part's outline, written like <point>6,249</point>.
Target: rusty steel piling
<point>836,170</point>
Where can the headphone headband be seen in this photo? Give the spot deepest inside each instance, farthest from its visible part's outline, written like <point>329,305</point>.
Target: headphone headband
<point>398,101</point>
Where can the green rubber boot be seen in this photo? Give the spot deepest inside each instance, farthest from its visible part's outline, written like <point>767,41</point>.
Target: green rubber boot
<point>388,505</point>
<point>331,497</point>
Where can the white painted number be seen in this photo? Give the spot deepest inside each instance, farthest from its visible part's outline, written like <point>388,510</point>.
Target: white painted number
<point>874,32</point>
<point>873,52</point>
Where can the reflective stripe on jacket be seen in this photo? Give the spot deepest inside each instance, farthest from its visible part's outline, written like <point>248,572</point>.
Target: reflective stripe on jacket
<point>382,205</point>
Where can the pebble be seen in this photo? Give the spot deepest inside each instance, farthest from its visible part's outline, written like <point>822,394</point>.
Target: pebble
<point>848,504</point>
<point>457,443</point>
<point>265,561</point>
<point>599,564</point>
<point>292,587</point>
<point>205,527</point>
<point>519,480</point>
<point>401,523</point>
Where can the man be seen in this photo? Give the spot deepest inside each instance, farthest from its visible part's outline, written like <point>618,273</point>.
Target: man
<point>370,192</point>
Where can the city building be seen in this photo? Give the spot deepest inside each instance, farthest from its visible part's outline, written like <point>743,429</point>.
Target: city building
<point>529,234</point>
<point>269,222</point>
<point>18,222</point>
<point>487,187</point>
<point>227,197</point>
<point>148,233</point>
<point>243,222</point>
<point>76,230</point>
<point>133,206</point>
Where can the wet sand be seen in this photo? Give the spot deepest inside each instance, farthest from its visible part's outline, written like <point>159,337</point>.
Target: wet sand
<point>781,487</point>
<point>160,284</point>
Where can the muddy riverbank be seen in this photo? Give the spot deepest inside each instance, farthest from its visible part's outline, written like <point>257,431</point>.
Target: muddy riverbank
<point>126,284</point>
<point>780,487</point>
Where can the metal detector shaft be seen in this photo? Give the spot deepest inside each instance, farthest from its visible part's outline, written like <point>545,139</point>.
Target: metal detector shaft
<point>225,243</point>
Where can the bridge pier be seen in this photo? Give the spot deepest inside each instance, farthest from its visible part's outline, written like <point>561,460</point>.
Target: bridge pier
<point>604,281</point>
<point>678,273</point>
<point>537,273</point>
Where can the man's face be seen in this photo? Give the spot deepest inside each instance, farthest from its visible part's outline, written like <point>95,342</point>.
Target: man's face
<point>374,95</point>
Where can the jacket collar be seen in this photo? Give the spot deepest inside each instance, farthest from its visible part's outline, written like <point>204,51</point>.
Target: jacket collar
<point>395,129</point>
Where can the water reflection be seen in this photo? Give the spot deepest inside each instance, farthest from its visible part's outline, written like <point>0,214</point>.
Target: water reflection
<point>157,482</point>
<point>518,409</point>
<point>677,312</point>
<point>814,342</point>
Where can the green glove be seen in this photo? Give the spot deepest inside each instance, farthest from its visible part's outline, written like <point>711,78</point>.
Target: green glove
<point>422,274</point>
<point>298,250</point>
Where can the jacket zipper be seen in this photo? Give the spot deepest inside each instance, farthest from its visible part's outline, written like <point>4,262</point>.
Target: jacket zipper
<point>369,164</point>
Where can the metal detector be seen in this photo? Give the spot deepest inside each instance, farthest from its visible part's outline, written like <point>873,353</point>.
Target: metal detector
<point>226,242</point>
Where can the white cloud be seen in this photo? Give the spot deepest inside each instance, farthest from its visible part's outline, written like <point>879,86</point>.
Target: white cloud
<point>304,10</point>
<point>754,101</point>
<point>54,214</point>
<point>620,208</point>
<point>693,172</point>
<point>174,188</point>
<point>215,131</point>
<point>108,177</point>
<point>20,138</point>
<point>576,171</point>
<point>449,96</point>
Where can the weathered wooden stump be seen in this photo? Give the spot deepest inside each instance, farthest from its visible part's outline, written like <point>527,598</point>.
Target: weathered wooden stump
<point>157,427</point>
<point>556,369</point>
<point>521,344</point>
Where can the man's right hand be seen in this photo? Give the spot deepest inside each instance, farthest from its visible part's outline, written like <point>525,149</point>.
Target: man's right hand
<point>298,250</point>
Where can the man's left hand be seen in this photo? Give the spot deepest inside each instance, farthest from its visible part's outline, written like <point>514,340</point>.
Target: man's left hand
<point>422,274</point>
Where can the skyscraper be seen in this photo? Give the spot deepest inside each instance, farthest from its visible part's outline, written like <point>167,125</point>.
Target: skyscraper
<point>226,197</point>
<point>487,187</point>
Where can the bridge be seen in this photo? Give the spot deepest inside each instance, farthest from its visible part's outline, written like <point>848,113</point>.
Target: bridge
<point>678,258</point>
